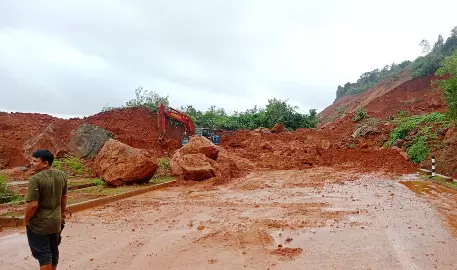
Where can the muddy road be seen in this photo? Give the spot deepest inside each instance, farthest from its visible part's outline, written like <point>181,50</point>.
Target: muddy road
<point>312,219</point>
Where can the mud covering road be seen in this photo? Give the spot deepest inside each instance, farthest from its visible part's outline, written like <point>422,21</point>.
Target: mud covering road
<point>313,219</point>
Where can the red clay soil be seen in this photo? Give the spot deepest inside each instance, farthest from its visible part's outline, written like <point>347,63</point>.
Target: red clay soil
<point>416,96</point>
<point>136,127</point>
<point>15,130</point>
<point>287,252</point>
<point>353,102</point>
<point>307,148</point>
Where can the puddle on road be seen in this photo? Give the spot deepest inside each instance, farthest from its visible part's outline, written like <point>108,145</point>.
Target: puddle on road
<point>424,187</point>
<point>445,199</point>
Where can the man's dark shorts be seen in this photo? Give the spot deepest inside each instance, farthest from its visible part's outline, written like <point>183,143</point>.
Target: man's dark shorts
<point>44,247</point>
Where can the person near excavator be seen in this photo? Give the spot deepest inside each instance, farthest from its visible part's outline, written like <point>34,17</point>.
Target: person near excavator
<point>45,212</point>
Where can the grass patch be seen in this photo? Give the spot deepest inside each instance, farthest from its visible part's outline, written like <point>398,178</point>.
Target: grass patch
<point>402,114</point>
<point>71,165</point>
<point>439,180</point>
<point>341,110</point>
<point>12,214</point>
<point>160,180</point>
<point>6,193</point>
<point>359,115</point>
<point>84,182</point>
<point>448,184</point>
<point>164,168</point>
<point>107,191</point>
<point>99,182</point>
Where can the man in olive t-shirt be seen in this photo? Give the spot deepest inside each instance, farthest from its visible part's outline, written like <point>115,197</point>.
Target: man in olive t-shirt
<point>47,199</point>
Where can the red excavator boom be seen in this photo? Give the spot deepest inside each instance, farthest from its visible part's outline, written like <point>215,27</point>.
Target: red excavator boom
<point>176,115</point>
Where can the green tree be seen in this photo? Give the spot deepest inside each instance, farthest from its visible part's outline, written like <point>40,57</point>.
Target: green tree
<point>454,32</point>
<point>439,43</point>
<point>449,85</point>
<point>148,99</point>
<point>425,46</point>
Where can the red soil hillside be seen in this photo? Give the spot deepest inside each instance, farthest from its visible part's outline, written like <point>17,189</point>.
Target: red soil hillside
<point>388,98</point>
<point>136,127</point>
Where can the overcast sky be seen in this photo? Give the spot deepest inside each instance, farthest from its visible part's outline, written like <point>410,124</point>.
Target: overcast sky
<point>71,58</point>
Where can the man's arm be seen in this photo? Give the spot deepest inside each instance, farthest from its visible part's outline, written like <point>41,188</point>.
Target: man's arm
<point>63,205</point>
<point>33,195</point>
<point>30,211</point>
<point>63,200</point>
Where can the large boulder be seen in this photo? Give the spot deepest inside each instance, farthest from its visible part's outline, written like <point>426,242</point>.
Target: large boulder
<point>119,164</point>
<point>195,160</point>
<point>200,145</point>
<point>200,159</point>
<point>46,139</point>
<point>88,140</point>
<point>195,167</point>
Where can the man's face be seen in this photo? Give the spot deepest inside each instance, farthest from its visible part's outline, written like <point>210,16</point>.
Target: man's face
<point>38,164</point>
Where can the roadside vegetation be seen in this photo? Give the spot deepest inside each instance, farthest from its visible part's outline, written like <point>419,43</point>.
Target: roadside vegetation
<point>164,167</point>
<point>439,180</point>
<point>414,134</point>
<point>71,165</point>
<point>359,115</point>
<point>6,194</point>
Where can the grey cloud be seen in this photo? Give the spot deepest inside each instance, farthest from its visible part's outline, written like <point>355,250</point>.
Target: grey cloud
<point>74,57</point>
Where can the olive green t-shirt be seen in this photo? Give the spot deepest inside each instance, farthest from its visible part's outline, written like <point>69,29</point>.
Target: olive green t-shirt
<point>47,187</point>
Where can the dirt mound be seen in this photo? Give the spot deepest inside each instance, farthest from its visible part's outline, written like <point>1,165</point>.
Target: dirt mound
<point>47,139</point>
<point>307,148</point>
<point>119,164</point>
<point>287,252</point>
<point>200,160</point>
<point>15,130</point>
<point>136,127</point>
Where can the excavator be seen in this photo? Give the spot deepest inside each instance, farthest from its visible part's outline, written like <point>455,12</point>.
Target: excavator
<point>184,119</point>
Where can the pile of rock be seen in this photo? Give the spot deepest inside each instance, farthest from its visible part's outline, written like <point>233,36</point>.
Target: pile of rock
<point>200,160</point>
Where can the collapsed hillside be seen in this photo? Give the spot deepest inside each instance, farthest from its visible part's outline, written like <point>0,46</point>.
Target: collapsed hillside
<point>403,114</point>
<point>386,99</point>
<point>341,140</point>
<point>20,133</point>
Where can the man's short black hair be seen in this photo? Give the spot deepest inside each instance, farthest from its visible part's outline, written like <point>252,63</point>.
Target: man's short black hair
<point>44,155</point>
